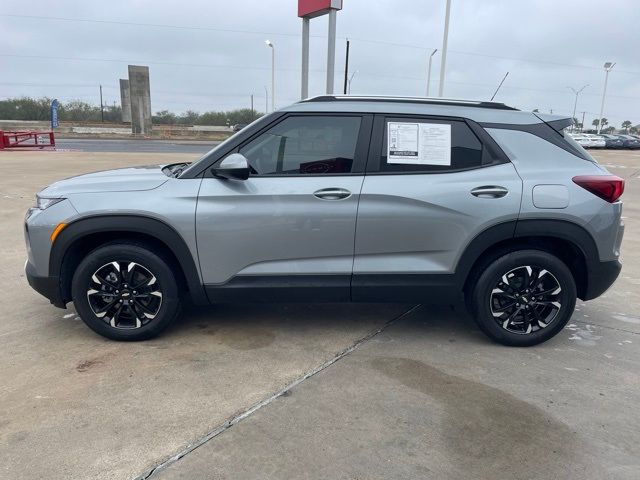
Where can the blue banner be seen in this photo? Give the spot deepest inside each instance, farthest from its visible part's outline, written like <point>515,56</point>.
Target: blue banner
<point>54,114</point>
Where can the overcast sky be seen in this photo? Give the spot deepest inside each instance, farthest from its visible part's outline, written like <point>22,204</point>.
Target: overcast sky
<point>210,55</point>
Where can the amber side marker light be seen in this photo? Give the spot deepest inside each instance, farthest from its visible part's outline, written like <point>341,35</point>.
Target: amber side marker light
<point>56,231</point>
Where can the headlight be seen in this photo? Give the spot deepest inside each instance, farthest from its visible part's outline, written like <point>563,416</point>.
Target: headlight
<point>43,203</point>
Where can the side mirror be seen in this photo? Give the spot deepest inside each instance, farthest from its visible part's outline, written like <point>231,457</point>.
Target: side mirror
<point>233,167</point>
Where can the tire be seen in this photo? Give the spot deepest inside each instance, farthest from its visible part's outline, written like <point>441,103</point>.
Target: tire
<point>514,315</point>
<point>123,291</point>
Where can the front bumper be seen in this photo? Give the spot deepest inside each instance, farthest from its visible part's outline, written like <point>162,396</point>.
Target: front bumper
<point>600,276</point>
<point>48,287</point>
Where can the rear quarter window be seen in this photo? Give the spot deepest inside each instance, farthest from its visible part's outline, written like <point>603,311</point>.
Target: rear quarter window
<point>576,146</point>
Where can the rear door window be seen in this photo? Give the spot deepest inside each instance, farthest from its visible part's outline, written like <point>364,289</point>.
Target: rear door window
<point>425,145</point>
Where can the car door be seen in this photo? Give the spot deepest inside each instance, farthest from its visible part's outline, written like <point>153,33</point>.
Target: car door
<point>420,207</point>
<point>287,232</point>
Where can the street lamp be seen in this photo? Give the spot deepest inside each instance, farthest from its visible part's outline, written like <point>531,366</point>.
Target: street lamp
<point>429,70</point>
<point>273,74</point>
<point>575,104</point>
<point>607,68</point>
<point>349,82</point>
<point>445,38</point>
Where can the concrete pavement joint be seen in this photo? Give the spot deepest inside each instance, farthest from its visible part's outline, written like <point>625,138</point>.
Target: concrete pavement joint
<point>606,326</point>
<point>263,403</point>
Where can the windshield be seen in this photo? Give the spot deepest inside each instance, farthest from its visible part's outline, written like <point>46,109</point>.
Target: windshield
<point>223,146</point>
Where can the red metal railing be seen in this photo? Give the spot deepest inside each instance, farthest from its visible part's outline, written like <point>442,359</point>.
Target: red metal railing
<point>26,139</point>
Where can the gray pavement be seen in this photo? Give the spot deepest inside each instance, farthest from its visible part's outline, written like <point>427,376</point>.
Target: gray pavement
<point>135,145</point>
<point>431,398</point>
<point>427,397</point>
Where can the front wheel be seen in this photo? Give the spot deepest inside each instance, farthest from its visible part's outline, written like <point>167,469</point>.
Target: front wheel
<point>524,298</point>
<point>124,291</point>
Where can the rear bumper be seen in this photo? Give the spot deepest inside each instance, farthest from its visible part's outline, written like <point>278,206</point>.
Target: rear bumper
<point>600,276</point>
<point>48,287</point>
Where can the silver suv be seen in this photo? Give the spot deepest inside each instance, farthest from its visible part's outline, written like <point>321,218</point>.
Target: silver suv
<point>338,199</point>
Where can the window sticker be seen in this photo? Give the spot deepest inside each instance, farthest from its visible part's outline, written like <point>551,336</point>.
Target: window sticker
<point>419,143</point>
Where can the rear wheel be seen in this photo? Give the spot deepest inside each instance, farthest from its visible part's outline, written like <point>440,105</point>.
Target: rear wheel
<point>125,292</point>
<point>524,298</point>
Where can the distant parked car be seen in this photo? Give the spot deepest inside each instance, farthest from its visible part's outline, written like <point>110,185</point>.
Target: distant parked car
<point>629,141</point>
<point>612,141</point>
<point>580,139</point>
<point>597,141</point>
<point>239,126</point>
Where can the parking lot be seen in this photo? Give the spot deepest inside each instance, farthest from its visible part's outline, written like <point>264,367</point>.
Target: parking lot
<point>311,391</point>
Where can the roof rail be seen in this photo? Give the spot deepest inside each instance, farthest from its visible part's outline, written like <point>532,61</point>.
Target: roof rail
<point>426,100</point>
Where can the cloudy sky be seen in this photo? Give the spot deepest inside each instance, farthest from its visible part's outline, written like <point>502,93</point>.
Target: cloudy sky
<point>210,55</point>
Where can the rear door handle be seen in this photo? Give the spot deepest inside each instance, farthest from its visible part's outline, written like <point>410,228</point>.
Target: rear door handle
<point>489,191</point>
<point>332,193</point>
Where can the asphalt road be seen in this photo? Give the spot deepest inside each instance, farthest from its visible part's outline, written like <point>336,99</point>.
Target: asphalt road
<point>135,146</point>
<point>311,391</point>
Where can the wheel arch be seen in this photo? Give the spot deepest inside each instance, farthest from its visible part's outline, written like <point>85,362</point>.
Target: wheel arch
<point>566,240</point>
<point>80,237</point>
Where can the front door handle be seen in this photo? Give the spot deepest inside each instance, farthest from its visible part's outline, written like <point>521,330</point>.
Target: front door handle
<point>332,193</point>
<point>489,191</point>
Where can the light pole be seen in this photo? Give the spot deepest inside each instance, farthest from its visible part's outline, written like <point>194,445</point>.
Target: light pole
<point>575,103</point>
<point>429,70</point>
<point>607,67</point>
<point>273,74</point>
<point>266,100</point>
<point>443,60</point>
<point>350,79</point>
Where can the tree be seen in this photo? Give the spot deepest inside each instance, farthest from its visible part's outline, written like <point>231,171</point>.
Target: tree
<point>164,117</point>
<point>596,122</point>
<point>577,124</point>
<point>626,124</point>
<point>26,108</point>
<point>633,130</point>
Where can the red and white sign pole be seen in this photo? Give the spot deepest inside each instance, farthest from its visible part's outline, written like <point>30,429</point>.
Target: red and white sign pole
<point>308,9</point>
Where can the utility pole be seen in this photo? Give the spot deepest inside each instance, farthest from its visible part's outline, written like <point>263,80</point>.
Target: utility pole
<point>429,70</point>
<point>582,124</point>
<point>443,61</point>
<point>101,106</point>
<point>607,67</point>
<point>501,82</point>
<point>253,114</point>
<point>575,103</point>
<point>346,69</point>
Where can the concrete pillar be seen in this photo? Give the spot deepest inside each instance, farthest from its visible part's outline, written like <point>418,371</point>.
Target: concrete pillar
<point>140,92</point>
<point>125,100</point>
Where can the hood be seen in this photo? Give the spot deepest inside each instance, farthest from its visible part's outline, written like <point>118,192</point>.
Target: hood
<point>119,180</point>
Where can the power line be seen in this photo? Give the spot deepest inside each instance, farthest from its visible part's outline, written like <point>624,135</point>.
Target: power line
<point>243,95</point>
<point>145,62</point>
<point>152,25</point>
<point>285,34</point>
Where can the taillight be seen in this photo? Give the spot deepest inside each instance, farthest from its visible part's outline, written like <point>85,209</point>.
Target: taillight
<point>607,187</point>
